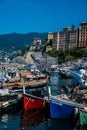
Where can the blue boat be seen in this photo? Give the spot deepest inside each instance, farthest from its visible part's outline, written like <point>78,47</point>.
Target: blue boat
<point>62,107</point>
<point>79,76</point>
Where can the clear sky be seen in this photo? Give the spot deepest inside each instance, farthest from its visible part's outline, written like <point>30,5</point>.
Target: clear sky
<point>23,16</point>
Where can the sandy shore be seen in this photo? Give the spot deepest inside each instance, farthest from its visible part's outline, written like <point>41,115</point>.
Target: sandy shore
<point>29,58</point>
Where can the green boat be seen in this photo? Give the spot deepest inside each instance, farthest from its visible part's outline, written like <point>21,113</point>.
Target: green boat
<point>83,117</point>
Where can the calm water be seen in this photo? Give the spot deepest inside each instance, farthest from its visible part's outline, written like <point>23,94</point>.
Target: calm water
<point>38,120</point>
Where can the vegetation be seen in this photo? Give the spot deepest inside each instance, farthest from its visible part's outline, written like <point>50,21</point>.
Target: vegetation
<point>19,41</point>
<point>68,55</point>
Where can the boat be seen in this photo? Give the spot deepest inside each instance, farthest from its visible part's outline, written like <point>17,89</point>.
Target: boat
<point>83,116</point>
<point>53,69</point>
<point>7,99</point>
<point>27,80</point>
<point>61,106</point>
<point>79,76</point>
<point>35,99</point>
<point>65,72</point>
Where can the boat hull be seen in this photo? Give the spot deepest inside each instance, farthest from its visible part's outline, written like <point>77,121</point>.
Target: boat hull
<point>83,118</point>
<point>33,103</point>
<point>60,110</point>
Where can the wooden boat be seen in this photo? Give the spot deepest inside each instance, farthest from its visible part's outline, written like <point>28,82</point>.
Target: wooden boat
<point>27,79</point>
<point>29,83</point>
<point>61,106</point>
<point>35,99</point>
<point>83,116</point>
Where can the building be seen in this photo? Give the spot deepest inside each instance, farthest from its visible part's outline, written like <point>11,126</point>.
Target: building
<point>56,41</point>
<point>83,35</point>
<point>50,36</point>
<point>36,41</point>
<point>65,39</point>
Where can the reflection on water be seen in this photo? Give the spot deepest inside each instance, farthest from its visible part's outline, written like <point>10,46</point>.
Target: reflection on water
<point>83,127</point>
<point>35,121</point>
<point>9,122</point>
<point>40,121</point>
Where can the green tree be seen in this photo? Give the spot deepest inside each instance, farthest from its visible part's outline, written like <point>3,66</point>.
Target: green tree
<point>69,58</point>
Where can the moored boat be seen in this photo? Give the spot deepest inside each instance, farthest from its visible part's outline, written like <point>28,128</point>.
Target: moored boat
<point>79,76</point>
<point>53,69</point>
<point>7,99</point>
<point>83,116</point>
<point>61,106</point>
<point>28,80</point>
<point>35,99</point>
<point>65,72</point>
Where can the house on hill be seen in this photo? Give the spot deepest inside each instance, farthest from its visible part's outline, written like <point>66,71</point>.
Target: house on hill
<point>36,41</point>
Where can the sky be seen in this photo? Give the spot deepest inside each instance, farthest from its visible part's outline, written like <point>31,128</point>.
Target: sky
<point>24,16</point>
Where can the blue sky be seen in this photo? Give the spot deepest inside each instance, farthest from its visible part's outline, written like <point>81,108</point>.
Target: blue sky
<point>23,16</point>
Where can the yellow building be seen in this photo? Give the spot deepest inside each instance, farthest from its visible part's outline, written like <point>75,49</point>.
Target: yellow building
<point>50,36</point>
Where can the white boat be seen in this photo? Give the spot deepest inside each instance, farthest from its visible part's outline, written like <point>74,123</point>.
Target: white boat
<point>65,71</point>
<point>53,69</point>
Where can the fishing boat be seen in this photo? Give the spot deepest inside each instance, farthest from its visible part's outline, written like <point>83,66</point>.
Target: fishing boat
<point>61,106</point>
<point>83,116</point>
<point>35,99</point>
<point>40,80</point>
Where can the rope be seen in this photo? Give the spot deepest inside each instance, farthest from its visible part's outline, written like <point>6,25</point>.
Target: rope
<point>27,101</point>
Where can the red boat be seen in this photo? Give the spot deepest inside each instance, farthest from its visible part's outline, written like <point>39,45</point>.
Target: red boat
<point>35,99</point>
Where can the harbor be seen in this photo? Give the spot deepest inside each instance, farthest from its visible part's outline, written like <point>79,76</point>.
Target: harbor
<point>35,83</point>
<point>43,65</point>
<point>39,118</point>
<point>31,77</point>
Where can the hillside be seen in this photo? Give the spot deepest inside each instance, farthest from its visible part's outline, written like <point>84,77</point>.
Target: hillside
<point>19,41</point>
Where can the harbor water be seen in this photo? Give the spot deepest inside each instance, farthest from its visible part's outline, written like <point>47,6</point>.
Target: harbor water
<point>39,120</point>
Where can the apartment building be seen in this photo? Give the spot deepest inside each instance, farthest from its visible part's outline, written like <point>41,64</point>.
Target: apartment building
<point>65,39</point>
<point>83,35</point>
<point>56,41</point>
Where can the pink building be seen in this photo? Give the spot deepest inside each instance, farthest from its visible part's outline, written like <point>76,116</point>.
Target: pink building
<point>83,35</point>
<point>65,39</point>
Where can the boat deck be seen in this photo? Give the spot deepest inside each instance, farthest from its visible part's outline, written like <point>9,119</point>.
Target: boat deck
<point>67,101</point>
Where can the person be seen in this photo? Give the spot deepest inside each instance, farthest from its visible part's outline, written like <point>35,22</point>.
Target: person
<point>77,86</point>
<point>74,91</point>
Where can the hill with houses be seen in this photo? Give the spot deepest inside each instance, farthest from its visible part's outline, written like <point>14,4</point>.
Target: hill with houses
<point>19,41</point>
